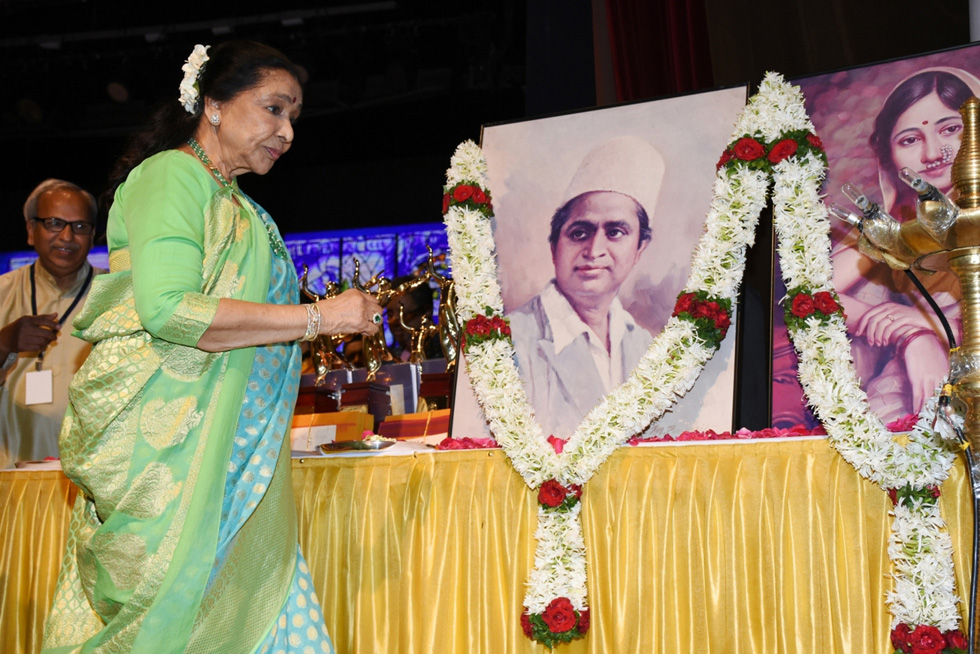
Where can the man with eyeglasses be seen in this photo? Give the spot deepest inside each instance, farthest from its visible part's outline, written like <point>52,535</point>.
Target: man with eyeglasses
<point>38,354</point>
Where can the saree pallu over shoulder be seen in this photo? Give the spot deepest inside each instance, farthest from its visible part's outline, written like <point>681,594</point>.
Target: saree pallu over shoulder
<point>147,438</point>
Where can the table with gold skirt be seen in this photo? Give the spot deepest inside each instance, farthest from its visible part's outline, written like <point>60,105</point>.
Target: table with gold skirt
<point>733,547</point>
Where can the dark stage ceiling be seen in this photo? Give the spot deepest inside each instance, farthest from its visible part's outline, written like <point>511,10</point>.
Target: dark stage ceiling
<point>392,86</point>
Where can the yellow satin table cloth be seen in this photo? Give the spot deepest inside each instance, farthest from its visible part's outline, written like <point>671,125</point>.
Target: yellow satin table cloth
<point>741,548</point>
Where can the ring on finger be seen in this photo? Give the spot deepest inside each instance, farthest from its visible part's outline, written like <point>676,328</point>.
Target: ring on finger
<point>376,319</point>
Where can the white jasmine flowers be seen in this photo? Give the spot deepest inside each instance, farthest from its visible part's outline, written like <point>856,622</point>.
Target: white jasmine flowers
<point>919,548</point>
<point>189,91</point>
<point>924,591</point>
<point>666,372</point>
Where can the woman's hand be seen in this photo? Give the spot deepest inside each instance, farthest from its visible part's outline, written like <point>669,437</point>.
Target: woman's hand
<point>927,364</point>
<point>243,324</point>
<point>351,312</point>
<point>888,322</point>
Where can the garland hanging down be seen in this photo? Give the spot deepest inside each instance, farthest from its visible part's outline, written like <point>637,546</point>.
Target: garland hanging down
<point>773,139</point>
<point>923,601</point>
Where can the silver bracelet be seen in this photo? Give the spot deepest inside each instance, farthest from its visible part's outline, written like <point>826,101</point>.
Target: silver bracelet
<point>312,322</point>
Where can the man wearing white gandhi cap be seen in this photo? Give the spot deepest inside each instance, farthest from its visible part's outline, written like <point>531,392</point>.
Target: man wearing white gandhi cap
<point>575,342</point>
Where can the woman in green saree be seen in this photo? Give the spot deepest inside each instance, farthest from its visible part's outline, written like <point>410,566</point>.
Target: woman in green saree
<point>183,538</point>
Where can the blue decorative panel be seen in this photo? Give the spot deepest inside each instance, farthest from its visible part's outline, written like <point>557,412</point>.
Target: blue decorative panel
<point>412,252</point>
<point>376,254</point>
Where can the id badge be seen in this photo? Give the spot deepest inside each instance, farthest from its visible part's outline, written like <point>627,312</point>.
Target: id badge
<point>40,387</point>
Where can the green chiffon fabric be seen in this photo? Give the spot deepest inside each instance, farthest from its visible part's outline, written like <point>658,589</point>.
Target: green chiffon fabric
<point>150,428</point>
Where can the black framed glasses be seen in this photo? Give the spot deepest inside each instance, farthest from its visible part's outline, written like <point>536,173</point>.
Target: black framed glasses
<point>58,224</point>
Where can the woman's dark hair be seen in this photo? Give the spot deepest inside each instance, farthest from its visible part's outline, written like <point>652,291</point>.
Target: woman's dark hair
<point>232,67</point>
<point>952,91</point>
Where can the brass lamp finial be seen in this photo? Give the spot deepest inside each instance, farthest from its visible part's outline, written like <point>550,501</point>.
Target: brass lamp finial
<point>966,166</point>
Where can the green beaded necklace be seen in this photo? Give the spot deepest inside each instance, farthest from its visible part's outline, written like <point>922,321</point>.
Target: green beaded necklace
<point>275,241</point>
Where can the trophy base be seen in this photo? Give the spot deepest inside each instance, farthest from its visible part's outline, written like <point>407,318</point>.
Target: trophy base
<point>367,397</point>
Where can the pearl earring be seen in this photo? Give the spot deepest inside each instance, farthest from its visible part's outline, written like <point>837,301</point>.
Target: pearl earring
<point>215,119</point>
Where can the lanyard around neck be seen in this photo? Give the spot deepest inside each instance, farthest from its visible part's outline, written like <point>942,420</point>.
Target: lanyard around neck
<point>74,303</point>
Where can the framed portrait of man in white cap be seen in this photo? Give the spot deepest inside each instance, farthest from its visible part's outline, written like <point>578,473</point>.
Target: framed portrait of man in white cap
<point>597,214</point>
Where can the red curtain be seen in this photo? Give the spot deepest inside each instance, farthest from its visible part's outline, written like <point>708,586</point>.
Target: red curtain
<point>658,47</point>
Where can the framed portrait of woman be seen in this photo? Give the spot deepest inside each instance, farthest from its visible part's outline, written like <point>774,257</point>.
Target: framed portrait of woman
<point>597,214</point>
<point>873,121</point>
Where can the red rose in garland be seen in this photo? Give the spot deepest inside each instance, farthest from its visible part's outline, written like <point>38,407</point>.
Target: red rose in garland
<point>463,193</point>
<point>782,150</point>
<point>956,639</point>
<point>748,149</point>
<point>560,615</point>
<point>802,305</point>
<point>825,302</point>
<point>526,625</point>
<point>684,303</point>
<point>552,493</point>
<point>814,141</point>
<point>499,324</point>
<point>726,156</point>
<point>478,326</point>
<point>583,621</point>
<point>900,637</point>
<point>927,639</point>
<point>711,316</point>
<point>445,202</point>
<point>705,310</point>
<point>723,322</point>
<point>479,196</point>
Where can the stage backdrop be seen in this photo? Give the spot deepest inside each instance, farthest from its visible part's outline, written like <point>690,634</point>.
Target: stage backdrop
<point>873,121</point>
<point>663,154</point>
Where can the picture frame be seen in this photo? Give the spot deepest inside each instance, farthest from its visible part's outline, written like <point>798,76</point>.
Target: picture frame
<point>536,166</point>
<point>873,120</point>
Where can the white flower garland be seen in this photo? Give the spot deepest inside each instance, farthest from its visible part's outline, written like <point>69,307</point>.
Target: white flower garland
<point>919,548</point>
<point>667,370</point>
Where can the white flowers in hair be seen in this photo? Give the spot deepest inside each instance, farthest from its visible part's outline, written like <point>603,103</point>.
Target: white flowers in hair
<point>189,92</point>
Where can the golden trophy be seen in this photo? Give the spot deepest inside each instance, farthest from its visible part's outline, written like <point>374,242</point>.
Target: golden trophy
<point>420,335</point>
<point>375,349</point>
<point>449,330</point>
